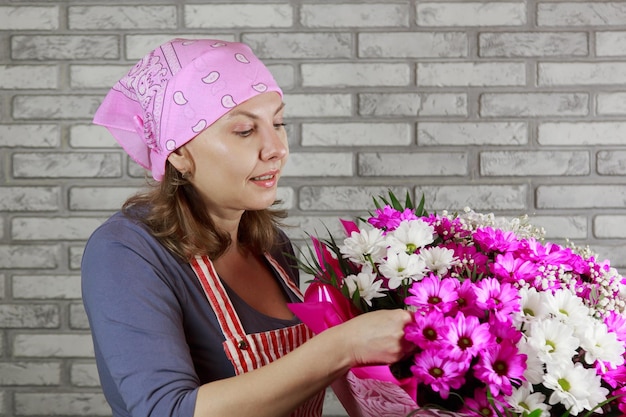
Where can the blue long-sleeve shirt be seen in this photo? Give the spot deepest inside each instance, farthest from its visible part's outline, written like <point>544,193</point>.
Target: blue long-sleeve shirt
<point>156,338</point>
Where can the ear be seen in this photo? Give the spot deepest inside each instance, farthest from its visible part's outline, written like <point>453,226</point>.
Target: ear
<point>181,160</point>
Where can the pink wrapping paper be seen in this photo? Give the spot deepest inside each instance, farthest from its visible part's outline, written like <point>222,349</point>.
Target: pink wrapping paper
<point>367,391</point>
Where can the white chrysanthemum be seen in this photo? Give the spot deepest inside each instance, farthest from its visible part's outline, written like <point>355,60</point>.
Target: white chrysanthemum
<point>367,285</point>
<point>401,266</point>
<point>568,308</point>
<point>554,341</point>
<point>411,235</point>
<point>576,387</point>
<point>534,366</point>
<point>365,246</point>
<point>601,345</point>
<point>523,400</point>
<point>438,260</point>
<point>533,304</point>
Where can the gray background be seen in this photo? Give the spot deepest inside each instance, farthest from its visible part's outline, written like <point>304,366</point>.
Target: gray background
<point>506,106</point>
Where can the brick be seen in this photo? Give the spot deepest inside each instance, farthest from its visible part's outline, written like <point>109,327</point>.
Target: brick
<point>609,226</point>
<point>471,14</point>
<point>30,373</point>
<point>96,76</point>
<point>581,133</point>
<point>471,74</point>
<point>477,197</point>
<point>238,15</point>
<point>121,17</point>
<point>78,317</point>
<point>562,227</point>
<point>319,164</point>
<point>589,13</point>
<point>356,134</point>
<point>355,74</point>
<point>137,46</point>
<point>342,198</point>
<point>362,15</point>
<point>413,45</point>
<point>581,196</point>
<point>55,228</point>
<point>29,17</point>
<point>285,75</point>
<point>615,253</point>
<point>531,163</point>
<point>99,198</point>
<point>46,286</point>
<point>610,43</point>
<point>534,104</point>
<point>410,164</point>
<point>67,165</point>
<point>29,256</point>
<point>413,104</point>
<point>300,45</point>
<point>287,196</point>
<point>75,257</point>
<point>611,162</point>
<point>84,375</point>
<point>29,198</point>
<point>467,133</point>
<point>29,76</point>
<point>54,345</point>
<point>64,47</point>
<point>91,136</point>
<point>611,103</point>
<point>55,106</point>
<point>300,226</point>
<point>22,316</point>
<point>318,105</point>
<point>61,404</point>
<point>581,73</point>
<point>545,44</point>
<point>30,136</point>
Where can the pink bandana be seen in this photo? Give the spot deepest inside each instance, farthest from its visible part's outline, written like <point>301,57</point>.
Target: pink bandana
<point>177,91</point>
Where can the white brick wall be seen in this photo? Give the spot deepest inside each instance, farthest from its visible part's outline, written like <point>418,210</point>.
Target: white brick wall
<point>512,106</point>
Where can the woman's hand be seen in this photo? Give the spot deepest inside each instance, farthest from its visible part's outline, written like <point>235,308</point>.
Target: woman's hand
<point>376,337</point>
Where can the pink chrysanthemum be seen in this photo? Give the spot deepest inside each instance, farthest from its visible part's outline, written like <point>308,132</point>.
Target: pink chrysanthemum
<point>499,367</point>
<point>389,219</point>
<point>441,374</point>
<point>496,240</point>
<point>426,330</point>
<point>513,269</point>
<point>466,337</point>
<point>433,293</point>
<point>500,299</point>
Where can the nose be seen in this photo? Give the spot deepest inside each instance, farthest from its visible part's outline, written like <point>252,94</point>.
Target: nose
<point>274,143</point>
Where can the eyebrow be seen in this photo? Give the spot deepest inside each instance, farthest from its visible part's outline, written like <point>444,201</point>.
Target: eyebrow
<point>235,113</point>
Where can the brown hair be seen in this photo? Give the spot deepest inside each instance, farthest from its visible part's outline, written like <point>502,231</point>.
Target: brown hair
<point>170,211</point>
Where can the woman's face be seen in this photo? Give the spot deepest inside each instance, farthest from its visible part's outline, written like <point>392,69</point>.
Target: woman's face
<point>236,162</point>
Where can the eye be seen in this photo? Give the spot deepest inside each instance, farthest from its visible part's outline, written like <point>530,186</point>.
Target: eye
<point>279,125</point>
<point>244,133</point>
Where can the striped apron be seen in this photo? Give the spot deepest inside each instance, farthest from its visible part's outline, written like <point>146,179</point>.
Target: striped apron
<point>250,351</point>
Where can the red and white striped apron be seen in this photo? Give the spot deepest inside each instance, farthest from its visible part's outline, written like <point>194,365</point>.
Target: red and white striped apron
<point>250,351</point>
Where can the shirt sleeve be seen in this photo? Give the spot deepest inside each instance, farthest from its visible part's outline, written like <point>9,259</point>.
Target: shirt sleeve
<point>136,321</point>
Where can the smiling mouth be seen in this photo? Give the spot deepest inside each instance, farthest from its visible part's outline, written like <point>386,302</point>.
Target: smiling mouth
<point>263,178</point>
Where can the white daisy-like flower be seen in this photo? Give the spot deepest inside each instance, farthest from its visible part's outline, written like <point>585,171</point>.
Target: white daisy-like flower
<point>534,366</point>
<point>533,305</point>
<point>601,345</point>
<point>554,341</point>
<point>523,400</point>
<point>411,235</point>
<point>400,266</point>
<point>365,246</point>
<point>438,260</point>
<point>574,386</point>
<point>367,285</point>
<point>568,308</point>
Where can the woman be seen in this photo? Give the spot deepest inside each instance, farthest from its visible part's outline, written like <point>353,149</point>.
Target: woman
<point>186,289</point>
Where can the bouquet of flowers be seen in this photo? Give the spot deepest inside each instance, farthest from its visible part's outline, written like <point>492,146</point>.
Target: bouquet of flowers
<point>505,324</point>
